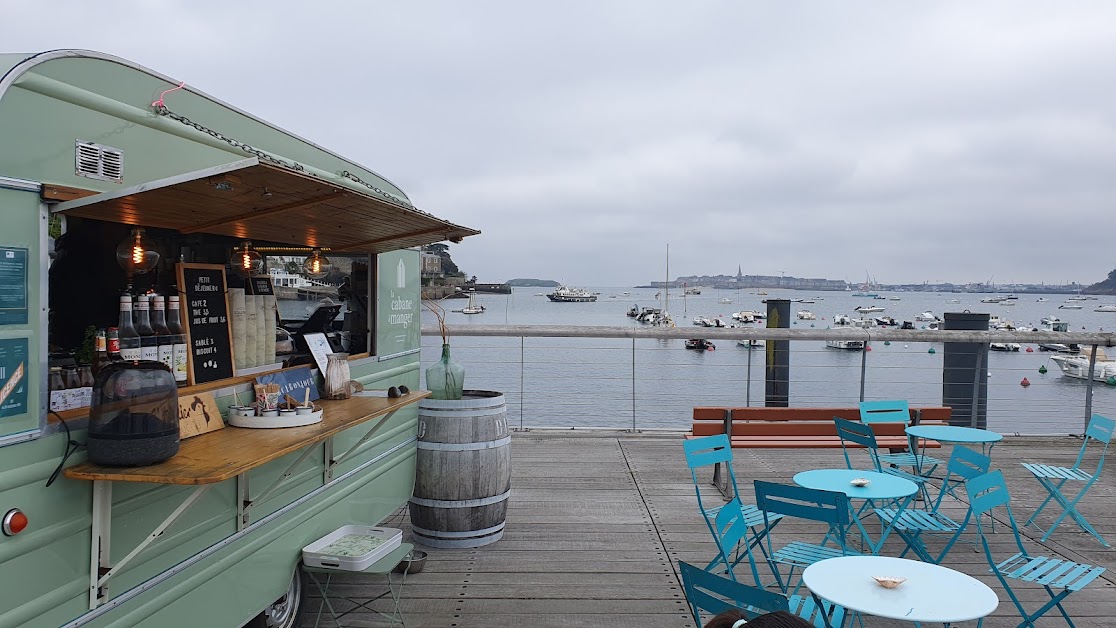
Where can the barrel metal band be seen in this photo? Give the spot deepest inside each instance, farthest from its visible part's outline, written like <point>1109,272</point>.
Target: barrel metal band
<point>488,444</point>
<point>460,503</point>
<point>441,534</point>
<point>463,412</point>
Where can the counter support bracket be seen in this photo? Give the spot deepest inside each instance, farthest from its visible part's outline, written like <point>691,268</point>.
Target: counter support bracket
<point>246,502</point>
<point>101,567</point>
<point>371,432</point>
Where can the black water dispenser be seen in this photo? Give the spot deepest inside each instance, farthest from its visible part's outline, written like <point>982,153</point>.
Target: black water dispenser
<point>133,420</point>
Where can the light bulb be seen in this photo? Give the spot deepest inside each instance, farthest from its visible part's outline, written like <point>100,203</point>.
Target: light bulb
<point>316,266</point>
<point>135,254</point>
<point>246,261</point>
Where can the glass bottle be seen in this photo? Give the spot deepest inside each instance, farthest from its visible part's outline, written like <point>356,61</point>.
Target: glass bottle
<point>85,376</point>
<point>149,343</point>
<point>163,337</point>
<point>100,351</point>
<point>113,336</point>
<point>129,337</point>
<point>445,378</point>
<point>174,325</point>
<point>57,390</point>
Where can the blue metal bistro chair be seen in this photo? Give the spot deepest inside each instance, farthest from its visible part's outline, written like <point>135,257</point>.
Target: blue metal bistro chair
<point>989,491</point>
<point>716,594</point>
<point>1053,478</point>
<point>861,434</point>
<point>897,411</point>
<point>709,451</point>
<point>828,507</point>
<point>964,463</point>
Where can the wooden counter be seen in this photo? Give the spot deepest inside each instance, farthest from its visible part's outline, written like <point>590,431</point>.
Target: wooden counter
<point>229,452</point>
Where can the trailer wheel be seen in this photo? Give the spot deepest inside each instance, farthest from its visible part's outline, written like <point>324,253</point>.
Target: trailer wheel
<point>286,612</point>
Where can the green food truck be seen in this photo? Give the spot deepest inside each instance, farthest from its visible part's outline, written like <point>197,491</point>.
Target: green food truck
<point>125,192</point>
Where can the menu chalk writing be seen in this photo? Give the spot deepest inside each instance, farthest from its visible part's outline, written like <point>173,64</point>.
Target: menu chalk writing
<point>259,286</point>
<point>205,314</point>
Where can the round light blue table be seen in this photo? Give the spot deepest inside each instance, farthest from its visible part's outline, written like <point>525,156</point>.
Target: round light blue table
<point>954,434</point>
<point>881,487</point>
<point>932,593</point>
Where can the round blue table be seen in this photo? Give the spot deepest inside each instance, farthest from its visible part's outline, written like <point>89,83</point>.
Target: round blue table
<point>881,487</point>
<point>954,434</point>
<point>932,593</point>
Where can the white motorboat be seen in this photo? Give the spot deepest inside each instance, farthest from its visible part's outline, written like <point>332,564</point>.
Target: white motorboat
<point>1105,308</point>
<point>562,294</point>
<point>1070,305</point>
<point>1077,366</point>
<point>725,300</point>
<point>747,316</point>
<point>1004,346</point>
<point>754,342</point>
<point>894,298</point>
<point>1041,300</point>
<point>806,315</point>
<point>868,309</point>
<point>701,320</point>
<point>844,321</point>
<point>1050,320</point>
<point>954,301</point>
<point>926,317</point>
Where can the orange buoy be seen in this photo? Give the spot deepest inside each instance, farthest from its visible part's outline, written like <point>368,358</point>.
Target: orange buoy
<point>1030,350</point>
<point>1025,383</point>
<point>867,348</point>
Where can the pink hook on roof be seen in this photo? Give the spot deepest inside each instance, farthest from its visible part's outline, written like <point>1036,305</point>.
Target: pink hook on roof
<point>159,103</point>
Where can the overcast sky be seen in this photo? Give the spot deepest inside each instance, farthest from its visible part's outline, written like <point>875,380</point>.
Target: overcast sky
<point>953,141</point>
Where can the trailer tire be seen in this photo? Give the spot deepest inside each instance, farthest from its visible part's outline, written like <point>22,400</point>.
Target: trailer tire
<point>286,612</point>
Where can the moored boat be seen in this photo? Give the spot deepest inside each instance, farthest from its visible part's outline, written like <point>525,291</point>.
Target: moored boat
<point>700,344</point>
<point>562,294</point>
<point>1077,366</point>
<point>806,315</point>
<point>868,309</point>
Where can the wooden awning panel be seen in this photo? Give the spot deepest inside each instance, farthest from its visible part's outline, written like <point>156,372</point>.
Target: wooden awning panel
<point>250,200</point>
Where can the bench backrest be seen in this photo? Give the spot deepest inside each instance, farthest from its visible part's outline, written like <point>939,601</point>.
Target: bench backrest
<point>763,421</point>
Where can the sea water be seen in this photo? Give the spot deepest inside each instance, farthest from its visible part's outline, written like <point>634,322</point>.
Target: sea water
<point>582,382</point>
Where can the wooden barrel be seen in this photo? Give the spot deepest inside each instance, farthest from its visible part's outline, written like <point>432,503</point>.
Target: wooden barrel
<point>463,474</point>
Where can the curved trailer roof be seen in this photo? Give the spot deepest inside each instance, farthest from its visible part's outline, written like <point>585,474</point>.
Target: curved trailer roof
<point>197,165</point>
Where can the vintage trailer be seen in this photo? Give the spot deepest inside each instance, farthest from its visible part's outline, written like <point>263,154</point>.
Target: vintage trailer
<point>90,146</point>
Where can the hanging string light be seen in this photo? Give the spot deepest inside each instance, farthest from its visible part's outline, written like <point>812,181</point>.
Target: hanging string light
<point>246,261</point>
<point>317,265</point>
<point>135,254</point>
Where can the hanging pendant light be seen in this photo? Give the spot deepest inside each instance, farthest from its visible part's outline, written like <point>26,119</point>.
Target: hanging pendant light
<point>135,254</point>
<point>246,261</point>
<point>317,265</point>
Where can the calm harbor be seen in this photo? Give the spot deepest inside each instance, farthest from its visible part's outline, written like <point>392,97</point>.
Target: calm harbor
<point>595,382</point>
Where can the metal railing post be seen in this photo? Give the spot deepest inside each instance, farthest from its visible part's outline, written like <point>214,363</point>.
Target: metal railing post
<point>978,374</point>
<point>1089,388</point>
<point>863,368</point>
<point>522,392</point>
<point>633,386</point>
<point>748,393</point>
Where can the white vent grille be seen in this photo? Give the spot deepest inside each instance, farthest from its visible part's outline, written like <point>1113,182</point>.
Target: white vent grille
<point>99,162</point>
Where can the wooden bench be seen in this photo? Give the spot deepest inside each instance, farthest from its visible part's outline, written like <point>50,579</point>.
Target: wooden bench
<point>803,428</point>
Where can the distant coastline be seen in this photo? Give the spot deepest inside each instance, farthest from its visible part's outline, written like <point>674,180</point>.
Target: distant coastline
<point>533,283</point>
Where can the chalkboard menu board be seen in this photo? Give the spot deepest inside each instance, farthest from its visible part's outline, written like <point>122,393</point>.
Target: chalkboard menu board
<point>205,315</point>
<point>258,286</point>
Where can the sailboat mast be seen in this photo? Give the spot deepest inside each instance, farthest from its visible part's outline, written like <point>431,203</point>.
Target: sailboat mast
<point>666,285</point>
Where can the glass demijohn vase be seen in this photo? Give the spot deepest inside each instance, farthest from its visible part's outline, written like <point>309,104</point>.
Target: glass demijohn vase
<point>445,378</point>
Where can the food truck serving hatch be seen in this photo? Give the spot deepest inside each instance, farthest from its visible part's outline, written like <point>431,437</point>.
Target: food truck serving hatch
<point>250,200</point>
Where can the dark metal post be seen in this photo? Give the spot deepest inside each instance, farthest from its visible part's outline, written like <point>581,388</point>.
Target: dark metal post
<point>748,391</point>
<point>964,374</point>
<point>778,355</point>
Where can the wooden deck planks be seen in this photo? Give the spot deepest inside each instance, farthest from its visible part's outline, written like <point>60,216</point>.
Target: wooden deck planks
<point>597,523</point>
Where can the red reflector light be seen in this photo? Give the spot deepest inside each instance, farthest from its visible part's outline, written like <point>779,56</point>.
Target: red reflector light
<point>14,522</point>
